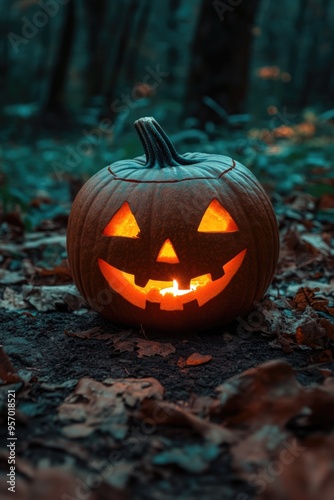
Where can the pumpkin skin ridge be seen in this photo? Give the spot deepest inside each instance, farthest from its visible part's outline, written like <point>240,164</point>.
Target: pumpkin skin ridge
<point>265,202</point>
<point>265,277</point>
<point>239,190</point>
<point>76,250</point>
<point>262,198</point>
<point>267,274</point>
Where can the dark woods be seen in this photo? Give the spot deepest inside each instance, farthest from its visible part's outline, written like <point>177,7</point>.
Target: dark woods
<point>193,58</point>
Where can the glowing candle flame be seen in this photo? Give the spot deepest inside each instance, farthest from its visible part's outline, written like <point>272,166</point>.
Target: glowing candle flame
<point>175,289</point>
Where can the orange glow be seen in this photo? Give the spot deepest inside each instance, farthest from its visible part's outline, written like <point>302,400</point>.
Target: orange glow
<point>123,223</point>
<point>284,131</point>
<point>174,290</point>
<point>268,72</point>
<point>167,293</point>
<point>167,253</point>
<point>217,220</point>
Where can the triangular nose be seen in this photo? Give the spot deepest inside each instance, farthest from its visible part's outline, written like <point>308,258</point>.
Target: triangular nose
<point>167,253</point>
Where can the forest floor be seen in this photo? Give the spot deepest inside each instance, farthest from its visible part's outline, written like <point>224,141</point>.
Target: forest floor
<point>244,411</point>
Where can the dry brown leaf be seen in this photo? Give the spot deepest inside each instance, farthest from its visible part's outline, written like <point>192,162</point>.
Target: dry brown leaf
<point>328,327</point>
<point>56,483</point>
<point>254,451</point>
<point>325,356</point>
<point>315,333</point>
<point>122,342</point>
<point>7,371</point>
<point>11,277</point>
<point>284,342</point>
<point>305,475</point>
<point>163,413</point>
<point>266,394</point>
<point>270,396</point>
<point>134,390</point>
<point>104,405</point>
<point>62,271</point>
<point>306,297</point>
<point>47,298</point>
<point>86,334</point>
<point>95,333</point>
<point>124,345</point>
<point>326,201</point>
<point>181,362</point>
<point>198,359</point>
<point>69,447</point>
<point>92,403</point>
<point>152,348</point>
<point>325,372</point>
<point>12,300</point>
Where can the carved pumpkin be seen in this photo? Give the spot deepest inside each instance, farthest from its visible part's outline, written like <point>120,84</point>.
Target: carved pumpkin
<point>172,241</point>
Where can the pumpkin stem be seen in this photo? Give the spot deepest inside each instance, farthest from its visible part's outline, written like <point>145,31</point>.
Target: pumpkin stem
<point>159,150</point>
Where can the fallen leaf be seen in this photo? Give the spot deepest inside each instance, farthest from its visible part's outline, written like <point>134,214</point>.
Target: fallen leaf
<point>61,271</point>
<point>12,300</point>
<point>152,348</point>
<point>253,452</point>
<point>306,297</point>
<point>315,333</point>
<point>266,394</point>
<point>48,298</point>
<point>325,356</point>
<point>96,405</point>
<point>69,447</point>
<point>326,201</point>
<point>121,473</point>
<point>7,371</point>
<point>163,413</point>
<point>142,346</point>
<point>181,362</point>
<point>11,277</point>
<point>198,359</point>
<point>124,345</point>
<point>40,240</point>
<point>134,390</point>
<point>86,334</point>
<point>55,483</point>
<point>306,473</point>
<point>325,372</point>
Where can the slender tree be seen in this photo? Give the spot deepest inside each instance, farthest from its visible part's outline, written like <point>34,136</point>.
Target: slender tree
<point>220,59</point>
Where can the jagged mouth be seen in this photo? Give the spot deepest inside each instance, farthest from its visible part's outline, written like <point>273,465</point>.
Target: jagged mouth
<point>166,293</point>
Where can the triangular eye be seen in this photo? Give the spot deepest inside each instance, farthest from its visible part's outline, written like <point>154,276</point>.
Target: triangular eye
<point>123,223</point>
<point>216,219</point>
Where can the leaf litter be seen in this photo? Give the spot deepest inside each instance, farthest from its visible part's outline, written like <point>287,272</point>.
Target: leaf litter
<point>276,432</point>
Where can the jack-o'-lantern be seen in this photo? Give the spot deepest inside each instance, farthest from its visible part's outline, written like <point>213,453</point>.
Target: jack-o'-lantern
<point>172,242</point>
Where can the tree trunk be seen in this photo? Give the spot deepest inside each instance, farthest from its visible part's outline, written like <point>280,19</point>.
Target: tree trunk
<point>220,60</point>
<point>54,106</point>
<point>297,49</point>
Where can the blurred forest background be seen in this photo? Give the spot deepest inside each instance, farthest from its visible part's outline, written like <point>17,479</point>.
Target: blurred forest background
<point>253,79</point>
